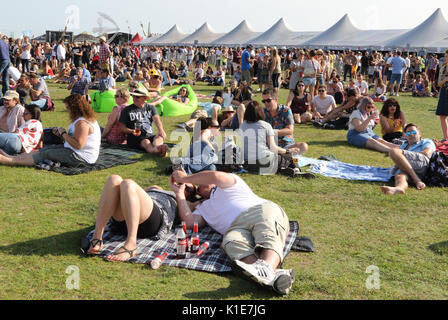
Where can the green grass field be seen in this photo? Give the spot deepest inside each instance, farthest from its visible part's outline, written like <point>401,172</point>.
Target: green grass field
<point>353,226</point>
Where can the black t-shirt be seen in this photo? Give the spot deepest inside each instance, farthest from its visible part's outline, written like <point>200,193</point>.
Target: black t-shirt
<point>132,115</point>
<point>86,52</point>
<point>76,58</point>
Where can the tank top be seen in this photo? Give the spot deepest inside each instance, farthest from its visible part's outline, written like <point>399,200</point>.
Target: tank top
<point>26,54</point>
<point>299,105</point>
<point>390,122</point>
<point>277,68</point>
<point>91,150</point>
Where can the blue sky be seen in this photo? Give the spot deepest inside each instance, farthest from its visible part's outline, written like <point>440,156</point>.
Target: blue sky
<point>221,15</point>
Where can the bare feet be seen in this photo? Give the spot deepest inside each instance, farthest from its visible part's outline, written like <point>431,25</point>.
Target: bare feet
<point>392,190</point>
<point>122,254</point>
<point>163,149</point>
<point>420,185</point>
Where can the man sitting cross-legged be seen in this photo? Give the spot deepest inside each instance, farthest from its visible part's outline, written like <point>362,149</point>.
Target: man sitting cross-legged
<point>411,161</point>
<point>254,229</point>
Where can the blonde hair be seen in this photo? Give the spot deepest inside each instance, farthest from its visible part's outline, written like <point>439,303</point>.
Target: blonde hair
<point>124,92</point>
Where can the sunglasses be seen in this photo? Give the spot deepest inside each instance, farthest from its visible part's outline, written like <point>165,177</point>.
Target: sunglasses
<point>300,85</point>
<point>411,132</point>
<point>266,101</point>
<point>321,90</point>
<point>118,96</point>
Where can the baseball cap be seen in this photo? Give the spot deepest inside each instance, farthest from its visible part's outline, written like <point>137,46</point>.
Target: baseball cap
<point>11,94</point>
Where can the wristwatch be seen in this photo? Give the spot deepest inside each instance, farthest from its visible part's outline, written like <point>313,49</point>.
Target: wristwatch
<point>288,151</point>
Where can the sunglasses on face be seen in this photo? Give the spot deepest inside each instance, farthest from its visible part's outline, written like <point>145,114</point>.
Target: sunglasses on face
<point>413,132</point>
<point>300,85</point>
<point>266,100</point>
<point>321,90</point>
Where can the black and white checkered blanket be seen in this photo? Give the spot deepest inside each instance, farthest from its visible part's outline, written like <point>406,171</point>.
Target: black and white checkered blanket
<point>108,158</point>
<point>214,260</point>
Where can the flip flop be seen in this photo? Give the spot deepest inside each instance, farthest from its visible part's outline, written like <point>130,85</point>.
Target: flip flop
<point>93,243</point>
<point>122,250</point>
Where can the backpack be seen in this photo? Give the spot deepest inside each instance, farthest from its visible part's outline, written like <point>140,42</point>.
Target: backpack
<point>437,173</point>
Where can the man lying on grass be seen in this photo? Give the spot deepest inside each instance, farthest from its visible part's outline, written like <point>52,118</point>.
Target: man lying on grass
<point>411,161</point>
<point>254,229</point>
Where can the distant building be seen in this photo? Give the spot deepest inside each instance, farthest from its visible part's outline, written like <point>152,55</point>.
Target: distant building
<point>57,35</point>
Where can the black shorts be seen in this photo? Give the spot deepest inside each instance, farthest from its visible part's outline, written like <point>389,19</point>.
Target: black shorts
<point>136,142</point>
<point>146,229</point>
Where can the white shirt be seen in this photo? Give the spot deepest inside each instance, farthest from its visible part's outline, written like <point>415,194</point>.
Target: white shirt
<point>225,205</point>
<point>91,150</point>
<point>363,87</point>
<point>14,73</point>
<point>61,52</point>
<point>323,106</point>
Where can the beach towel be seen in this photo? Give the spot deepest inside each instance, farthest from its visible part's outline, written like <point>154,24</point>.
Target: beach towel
<point>214,260</point>
<point>341,170</point>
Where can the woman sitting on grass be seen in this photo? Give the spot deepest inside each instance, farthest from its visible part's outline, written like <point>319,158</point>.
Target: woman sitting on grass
<point>82,141</point>
<point>27,138</point>
<point>112,132</point>
<point>361,123</point>
<point>301,104</point>
<point>392,120</point>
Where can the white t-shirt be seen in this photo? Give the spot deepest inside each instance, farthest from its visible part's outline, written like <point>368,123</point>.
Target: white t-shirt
<point>363,87</point>
<point>225,205</point>
<point>14,73</point>
<point>323,106</point>
<point>358,115</point>
<point>228,98</point>
<point>255,140</point>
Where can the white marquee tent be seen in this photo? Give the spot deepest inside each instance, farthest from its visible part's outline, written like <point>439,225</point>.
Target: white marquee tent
<point>239,35</point>
<point>172,36</point>
<point>204,35</point>
<point>281,34</point>
<point>431,35</point>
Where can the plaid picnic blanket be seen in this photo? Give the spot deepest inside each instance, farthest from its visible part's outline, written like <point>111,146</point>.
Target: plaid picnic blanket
<point>214,260</point>
<point>109,157</point>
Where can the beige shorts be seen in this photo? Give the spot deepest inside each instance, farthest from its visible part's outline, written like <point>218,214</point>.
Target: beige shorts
<point>265,226</point>
<point>199,114</point>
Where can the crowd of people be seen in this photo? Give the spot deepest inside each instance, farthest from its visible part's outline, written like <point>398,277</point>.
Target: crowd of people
<point>331,90</point>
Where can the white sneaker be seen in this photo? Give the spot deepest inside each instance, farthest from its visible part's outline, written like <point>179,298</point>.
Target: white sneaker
<point>283,281</point>
<point>260,271</point>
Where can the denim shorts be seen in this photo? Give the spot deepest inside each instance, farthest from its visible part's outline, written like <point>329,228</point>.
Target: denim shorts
<point>396,77</point>
<point>309,81</point>
<point>10,143</point>
<point>359,139</point>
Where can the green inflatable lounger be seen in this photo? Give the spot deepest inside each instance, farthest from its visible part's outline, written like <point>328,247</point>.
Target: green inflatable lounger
<point>172,108</point>
<point>105,101</point>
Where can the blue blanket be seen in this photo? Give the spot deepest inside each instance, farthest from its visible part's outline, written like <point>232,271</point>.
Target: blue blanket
<point>341,170</point>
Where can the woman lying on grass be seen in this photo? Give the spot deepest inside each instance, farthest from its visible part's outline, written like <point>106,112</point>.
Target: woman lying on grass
<point>135,213</point>
<point>82,141</point>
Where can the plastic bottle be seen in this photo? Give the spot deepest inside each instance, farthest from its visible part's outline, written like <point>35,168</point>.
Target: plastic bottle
<point>184,226</point>
<point>157,262</point>
<point>181,247</point>
<point>195,239</point>
<point>203,249</point>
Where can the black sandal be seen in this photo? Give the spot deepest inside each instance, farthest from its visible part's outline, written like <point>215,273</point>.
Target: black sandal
<point>94,243</point>
<point>122,250</point>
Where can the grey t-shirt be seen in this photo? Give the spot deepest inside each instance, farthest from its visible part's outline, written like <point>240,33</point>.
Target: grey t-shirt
<point>42,86</point>
<point>166,201</point>
<point>255,139</point>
